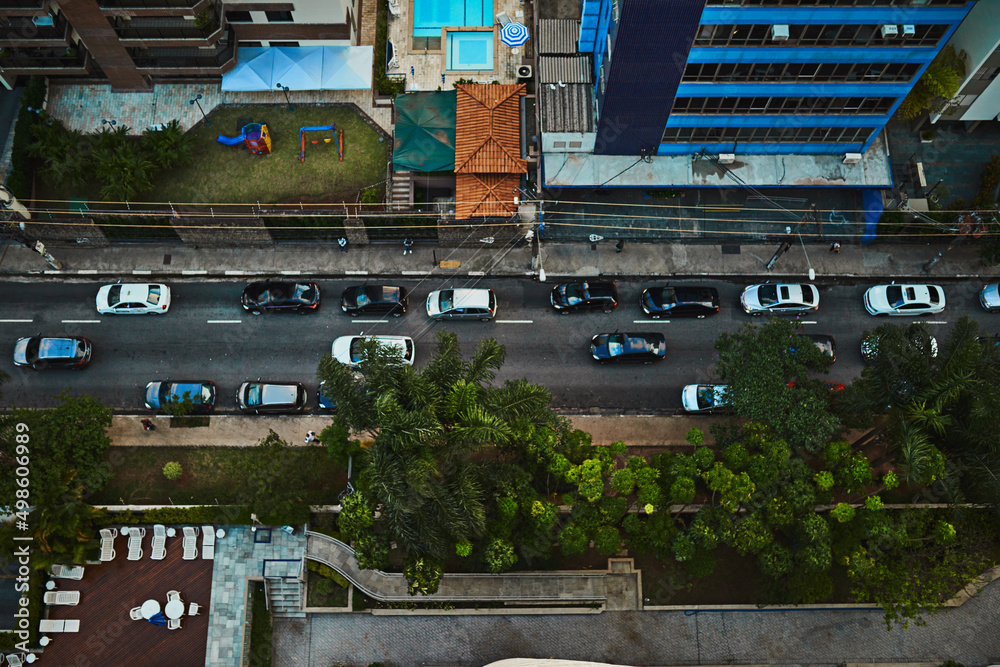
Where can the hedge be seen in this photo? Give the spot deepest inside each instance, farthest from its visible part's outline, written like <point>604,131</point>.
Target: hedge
<point>19,179</point>
<point>328,572</point>
<point>209,514</point>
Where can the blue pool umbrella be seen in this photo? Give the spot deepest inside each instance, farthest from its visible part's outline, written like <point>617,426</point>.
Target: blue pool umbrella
<point>158,619</point>
<point>514,34</point>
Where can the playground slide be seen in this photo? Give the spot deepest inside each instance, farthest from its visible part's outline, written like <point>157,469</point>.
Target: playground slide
<point>230,141</point>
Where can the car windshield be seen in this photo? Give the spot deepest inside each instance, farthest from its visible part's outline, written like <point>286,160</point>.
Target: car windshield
<point>304,292</point>
<point>154,295</point>
<point>935,294</point>
<point>894,295</point>
<point>357,349</point>
<point>574,294</point>
<point>364,297</point>
<point>767,295</point>
<point>114,294</point>
<point>669,296</point>
<point>446,299</point>
<point>253,394</point>
<point>616,343</point>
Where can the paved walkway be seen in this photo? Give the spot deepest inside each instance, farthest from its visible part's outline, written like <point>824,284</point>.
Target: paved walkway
<point>520,586</point>
<point>824,638</point>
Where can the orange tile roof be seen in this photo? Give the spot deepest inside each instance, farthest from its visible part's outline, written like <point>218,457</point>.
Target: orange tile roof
<point>485,195</point>
<point>488,129</point>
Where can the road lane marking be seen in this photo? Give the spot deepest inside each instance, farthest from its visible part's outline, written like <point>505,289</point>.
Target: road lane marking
<point>87,272</point>
<point>917,322</point>
<point>370,321</point>
<point>290,273</point>
<point>194,272</point>
<point>651,321</point>
<point>224,321</point>
<point>514,321</point>
<point>16,321</point>
<point>413,273</point>
<point>808,322</point>
<point>81,321</point>
<point>141,272</point>
<point>235,272</point>
<point>351,272</point>
<point>477,273</point>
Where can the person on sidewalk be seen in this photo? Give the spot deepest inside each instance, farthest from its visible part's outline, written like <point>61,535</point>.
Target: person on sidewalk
<point>407,246</point>
<point>148,425</point>
<point>342,242</point>
<point>620,245</point>
<point>834,247</point>
<point>311,437</point>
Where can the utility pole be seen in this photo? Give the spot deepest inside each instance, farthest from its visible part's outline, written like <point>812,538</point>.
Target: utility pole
<point>9,202</point>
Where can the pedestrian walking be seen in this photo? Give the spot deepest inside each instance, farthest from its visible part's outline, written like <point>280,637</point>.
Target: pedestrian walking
<point>311,437</point>
<point>407,246</point>
<point>619,245</point>
<point>834,247</point>
<point>342,242</point>
<point>148,425</point>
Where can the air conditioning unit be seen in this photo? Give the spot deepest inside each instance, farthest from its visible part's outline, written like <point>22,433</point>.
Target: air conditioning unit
<point>524,72</point>
<point>727,158</point>
<point>909,30</point>
<point>889,31</point>
<point>852,158</point>
<point>779,33</point>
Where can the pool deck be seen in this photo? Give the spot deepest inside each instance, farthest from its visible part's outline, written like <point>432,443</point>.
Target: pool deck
<point>429,66</point>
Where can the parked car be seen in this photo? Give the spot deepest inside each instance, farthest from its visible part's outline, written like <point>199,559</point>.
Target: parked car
<point>349,350</point>
<point>280,296</point>
<point>870,344</point>
<point>589,295</point>
<point>44,353</point>
<point>825,342</point>
<point>834,387</point>
<point>322,400</point>
<point>679,301</point>
<point>904,300</point>
<point>133,299</point>
<point>200,392</point>
<point>462,304</point>
<point>989,297</point>
<point>374,300</point>
<point>704,397</point>
<point>628,347</point>
<point>270,397</point>
<point>779,298</point>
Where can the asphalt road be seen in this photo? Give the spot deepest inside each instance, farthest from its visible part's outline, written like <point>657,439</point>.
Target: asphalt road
<point>207,336</point>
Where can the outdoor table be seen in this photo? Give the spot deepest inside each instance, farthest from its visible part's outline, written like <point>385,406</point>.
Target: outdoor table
<point>174,609</point>
<point>50,585</point>
<point>124,530</point>
<point>44,641</point>
<point>171,532</point>
<point>149,609</point>
<point>220,533</point>
<point>31,657</point>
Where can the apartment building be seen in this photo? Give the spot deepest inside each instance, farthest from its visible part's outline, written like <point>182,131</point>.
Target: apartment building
<point>978,98</point>
<point>134,43</point>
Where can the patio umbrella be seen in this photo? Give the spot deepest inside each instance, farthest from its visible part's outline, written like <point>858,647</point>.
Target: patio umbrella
<point>158,619</point>
<point>514,34</point>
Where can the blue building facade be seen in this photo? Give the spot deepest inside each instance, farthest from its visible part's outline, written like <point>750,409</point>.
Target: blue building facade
<point>677,77</point>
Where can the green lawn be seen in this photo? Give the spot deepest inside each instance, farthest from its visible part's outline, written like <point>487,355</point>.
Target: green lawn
<point>222,174</point>
<point>207,476</point>
<point>261,631</point>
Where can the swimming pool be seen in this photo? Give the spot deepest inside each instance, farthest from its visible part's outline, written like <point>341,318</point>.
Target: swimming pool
<point>470,51</point>
<point>429,16</point>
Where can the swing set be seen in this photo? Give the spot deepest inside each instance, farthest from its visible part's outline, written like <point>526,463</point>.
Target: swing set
<point>337,135</point>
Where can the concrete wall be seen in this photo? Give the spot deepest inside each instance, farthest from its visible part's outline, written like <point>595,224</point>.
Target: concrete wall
<point>585,139</point>
<point>979,37</point>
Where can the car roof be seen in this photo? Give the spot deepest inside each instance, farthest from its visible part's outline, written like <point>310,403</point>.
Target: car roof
<point>274,394</point>
<point>135,291</point>
<point>795,293</point>
<point>56,348</point>
<point>471,298</point>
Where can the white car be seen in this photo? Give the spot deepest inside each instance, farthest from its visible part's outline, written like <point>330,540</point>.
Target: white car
<point>462,304</point>
<point>704,397</point>
<point>133,299</point>
<point>779,298</point>
<point>904,299</point>
<point>348,349</point>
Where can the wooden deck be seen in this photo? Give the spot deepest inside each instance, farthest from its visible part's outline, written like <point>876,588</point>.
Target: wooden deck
<point>108,637</point>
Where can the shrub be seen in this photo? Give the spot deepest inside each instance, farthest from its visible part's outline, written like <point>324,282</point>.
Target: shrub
<point>19,178</point>
<point>209,514</point>
<point>328,572</point>
<point>986,197</point>
<point>500,555</point>
<point>607,541</point>
<point>173,471</point>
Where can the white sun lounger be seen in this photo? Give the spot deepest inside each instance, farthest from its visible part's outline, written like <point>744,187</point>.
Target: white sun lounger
<point>64,572</point>
<point>159,546</point>
<point>62,597</point>
<point>208,542</point>
<point>108,536</point>
<point>190,543</point>
<point>135,536</point>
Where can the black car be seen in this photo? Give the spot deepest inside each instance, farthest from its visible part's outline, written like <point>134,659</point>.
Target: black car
<point>374,299</point>
<point>628,347</point>
<point>201,394</point>
<point>42,353</point>
<point>679,301</point>
<point>271,397</point>
<point>592,295</point>
<point>280,296</point>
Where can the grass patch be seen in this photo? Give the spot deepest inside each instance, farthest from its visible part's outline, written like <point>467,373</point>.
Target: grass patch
<point>208,476</point>
<point>324,592</point>
<point>219,174</point>
<point>261,631</point>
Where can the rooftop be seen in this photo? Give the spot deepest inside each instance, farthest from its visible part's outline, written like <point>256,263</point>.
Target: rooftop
<point>485,195</point>
<point>567,108</point>
<point>487,130</point>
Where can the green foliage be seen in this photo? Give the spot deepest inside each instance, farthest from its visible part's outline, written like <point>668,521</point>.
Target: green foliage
<point>339,446</point>
<point>682,491</point>
<point>179,407</point>
<point>371,196</point>
<point>775,560</point>
<point>463,549</point>
<point>824,480</point>
<point>987,196</point>
<point>695,437</point>
<point>327,572</point>
<point>209,514</point>
<point>172,470</point>
<point>623,481</point>
<point>273,482</point>
<point>500,556</point>
<point>573,540</point>
<point>938,85</point>
<point>423,575</point>
<point>607,541</point>
<point>385,84</point>
<point>843,513</point>
<point>19,179</point>
<point>168,146</point>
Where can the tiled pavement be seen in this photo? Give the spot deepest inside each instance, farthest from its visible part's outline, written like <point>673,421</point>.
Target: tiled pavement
<point>967,634</point>
<point>236,558</point>
<point>83,107</point>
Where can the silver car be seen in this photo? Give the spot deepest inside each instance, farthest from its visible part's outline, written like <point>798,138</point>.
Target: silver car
<point>779,298</point>
<point>989,298</point>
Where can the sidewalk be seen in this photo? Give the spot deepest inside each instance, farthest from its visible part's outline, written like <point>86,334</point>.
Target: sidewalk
<point>559,260</point>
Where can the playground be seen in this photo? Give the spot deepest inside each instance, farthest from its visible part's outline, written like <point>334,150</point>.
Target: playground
<point>231,174</point>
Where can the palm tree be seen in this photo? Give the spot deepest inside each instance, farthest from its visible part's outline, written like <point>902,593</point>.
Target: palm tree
<point>62,523</point>
<point>169,145</point>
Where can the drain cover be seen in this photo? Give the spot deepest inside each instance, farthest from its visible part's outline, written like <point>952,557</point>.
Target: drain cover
<point>166,260</point>
<point>730,249</point>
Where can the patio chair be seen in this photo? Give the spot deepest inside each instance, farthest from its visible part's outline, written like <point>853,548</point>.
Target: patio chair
<point>51,625</point>
<point>63,572</point>
<point>173,595</point>
<point>173,624</point>
<point>108,533</point>
<point>69,598</point>
<point>108,536</point>
<point>14,660</point>
<point>135,613</point>
<point>193,609</point>
<point>208,542</point>
<point>190,543</point>
<point>159,546</point>
<point>135,536</point>
<point>503,19</point>
<point>107,553</point>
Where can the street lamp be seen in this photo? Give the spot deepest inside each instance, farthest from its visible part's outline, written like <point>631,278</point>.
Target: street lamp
<point>285,90</point>
<point>105,121</point>
<point>812,272</point>
<point>203,115</point>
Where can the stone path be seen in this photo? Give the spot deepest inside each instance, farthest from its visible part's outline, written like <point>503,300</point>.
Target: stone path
<point>236,558</point>
<point>824,638</point>
<point>522,586</point>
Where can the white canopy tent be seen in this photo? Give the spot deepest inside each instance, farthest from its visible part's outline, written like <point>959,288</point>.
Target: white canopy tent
<point>301,68</point>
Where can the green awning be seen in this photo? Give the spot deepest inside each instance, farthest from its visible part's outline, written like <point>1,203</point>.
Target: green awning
<point>425,132</point>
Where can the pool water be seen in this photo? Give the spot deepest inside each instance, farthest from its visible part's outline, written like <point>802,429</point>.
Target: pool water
<point>470,51</point>
<point>429,16</point>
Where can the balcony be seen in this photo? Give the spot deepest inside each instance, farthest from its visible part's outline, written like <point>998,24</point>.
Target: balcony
<point>172,31</point>
<point>184,61</point>
<point>146,4</point>
<point>22,31</point>
<point>49,62</point>
<point>9,5</point>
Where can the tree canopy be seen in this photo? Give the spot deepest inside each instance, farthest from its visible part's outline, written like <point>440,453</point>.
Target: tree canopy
<point>937,86</point>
